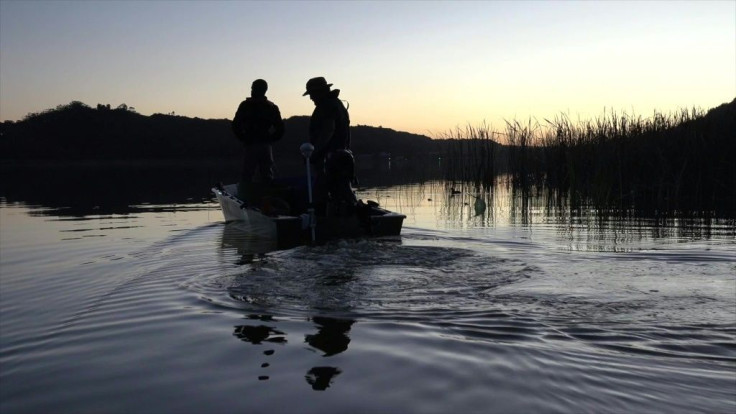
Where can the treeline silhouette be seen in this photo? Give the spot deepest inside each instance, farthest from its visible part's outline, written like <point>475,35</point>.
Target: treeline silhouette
<point>77,131</point>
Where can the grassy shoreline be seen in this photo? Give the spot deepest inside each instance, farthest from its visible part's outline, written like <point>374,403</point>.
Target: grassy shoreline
<point>669,163</point>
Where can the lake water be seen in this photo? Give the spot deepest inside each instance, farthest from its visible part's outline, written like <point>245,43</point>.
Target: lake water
<point>139,299</point>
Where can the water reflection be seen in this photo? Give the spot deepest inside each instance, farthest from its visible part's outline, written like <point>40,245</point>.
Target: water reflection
<point>331,339</point>
<point>258,334</point>
<point>117,188</point>
<point>93,191</point>
<point>320,378</point>
<point>330,289</point>
<point>332,335</point>
<point>482,313</point>
<point>580,225</point>
<point>249,247</point>
<point>328,286</point>
<point>122,187</point>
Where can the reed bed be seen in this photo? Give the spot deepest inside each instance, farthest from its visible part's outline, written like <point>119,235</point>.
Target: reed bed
<point>677,163</point>
<point>470,157</point>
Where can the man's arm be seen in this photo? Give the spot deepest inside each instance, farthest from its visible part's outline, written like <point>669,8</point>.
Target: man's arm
<point>278,125</point>
<point>321,139</point>
<point>237,123</point>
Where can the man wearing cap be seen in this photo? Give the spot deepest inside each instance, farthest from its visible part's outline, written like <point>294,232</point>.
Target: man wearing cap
<point>258,124</point>
<point>329,132</point>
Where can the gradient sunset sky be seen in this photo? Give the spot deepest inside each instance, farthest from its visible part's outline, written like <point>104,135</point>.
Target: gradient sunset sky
<point>424,67</point>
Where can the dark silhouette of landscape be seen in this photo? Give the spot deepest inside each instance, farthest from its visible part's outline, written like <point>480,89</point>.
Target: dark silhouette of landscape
<point>663,165</point>
<point>80,160</point>
<point>77,131</point>
<point>667,165</point>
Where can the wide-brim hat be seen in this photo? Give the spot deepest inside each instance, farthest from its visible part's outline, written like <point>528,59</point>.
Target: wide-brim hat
<point>316,84</point>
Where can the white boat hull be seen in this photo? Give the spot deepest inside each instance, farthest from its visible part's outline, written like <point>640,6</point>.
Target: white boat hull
<point>291,230</point>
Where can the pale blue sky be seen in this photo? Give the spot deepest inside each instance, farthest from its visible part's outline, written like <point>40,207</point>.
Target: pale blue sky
<point>424,67</point>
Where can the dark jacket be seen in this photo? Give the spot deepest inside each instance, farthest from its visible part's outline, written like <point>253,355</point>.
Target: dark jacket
<point>258,121</point>
<point>329,127</point>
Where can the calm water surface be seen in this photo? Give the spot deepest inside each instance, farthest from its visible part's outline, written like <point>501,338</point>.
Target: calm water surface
<point>162,307</point>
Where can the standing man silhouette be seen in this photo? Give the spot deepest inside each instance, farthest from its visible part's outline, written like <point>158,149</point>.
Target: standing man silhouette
<point>258,124</point>
<point>329,132</point>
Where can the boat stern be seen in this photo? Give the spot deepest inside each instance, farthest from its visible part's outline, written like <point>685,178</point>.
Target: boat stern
<point>388,224</point>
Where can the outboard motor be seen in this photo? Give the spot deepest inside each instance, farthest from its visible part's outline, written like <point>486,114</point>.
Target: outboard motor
<point>340,174</point>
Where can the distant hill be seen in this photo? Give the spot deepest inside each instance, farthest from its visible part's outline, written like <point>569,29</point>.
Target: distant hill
<point>79,132</point>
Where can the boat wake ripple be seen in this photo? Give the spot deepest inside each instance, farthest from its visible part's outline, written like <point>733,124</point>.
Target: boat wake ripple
<point>469,294</point>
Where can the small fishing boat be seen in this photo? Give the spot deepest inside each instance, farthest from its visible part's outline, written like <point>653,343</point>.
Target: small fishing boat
<point>290,229</point>
<point>283,212</point>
